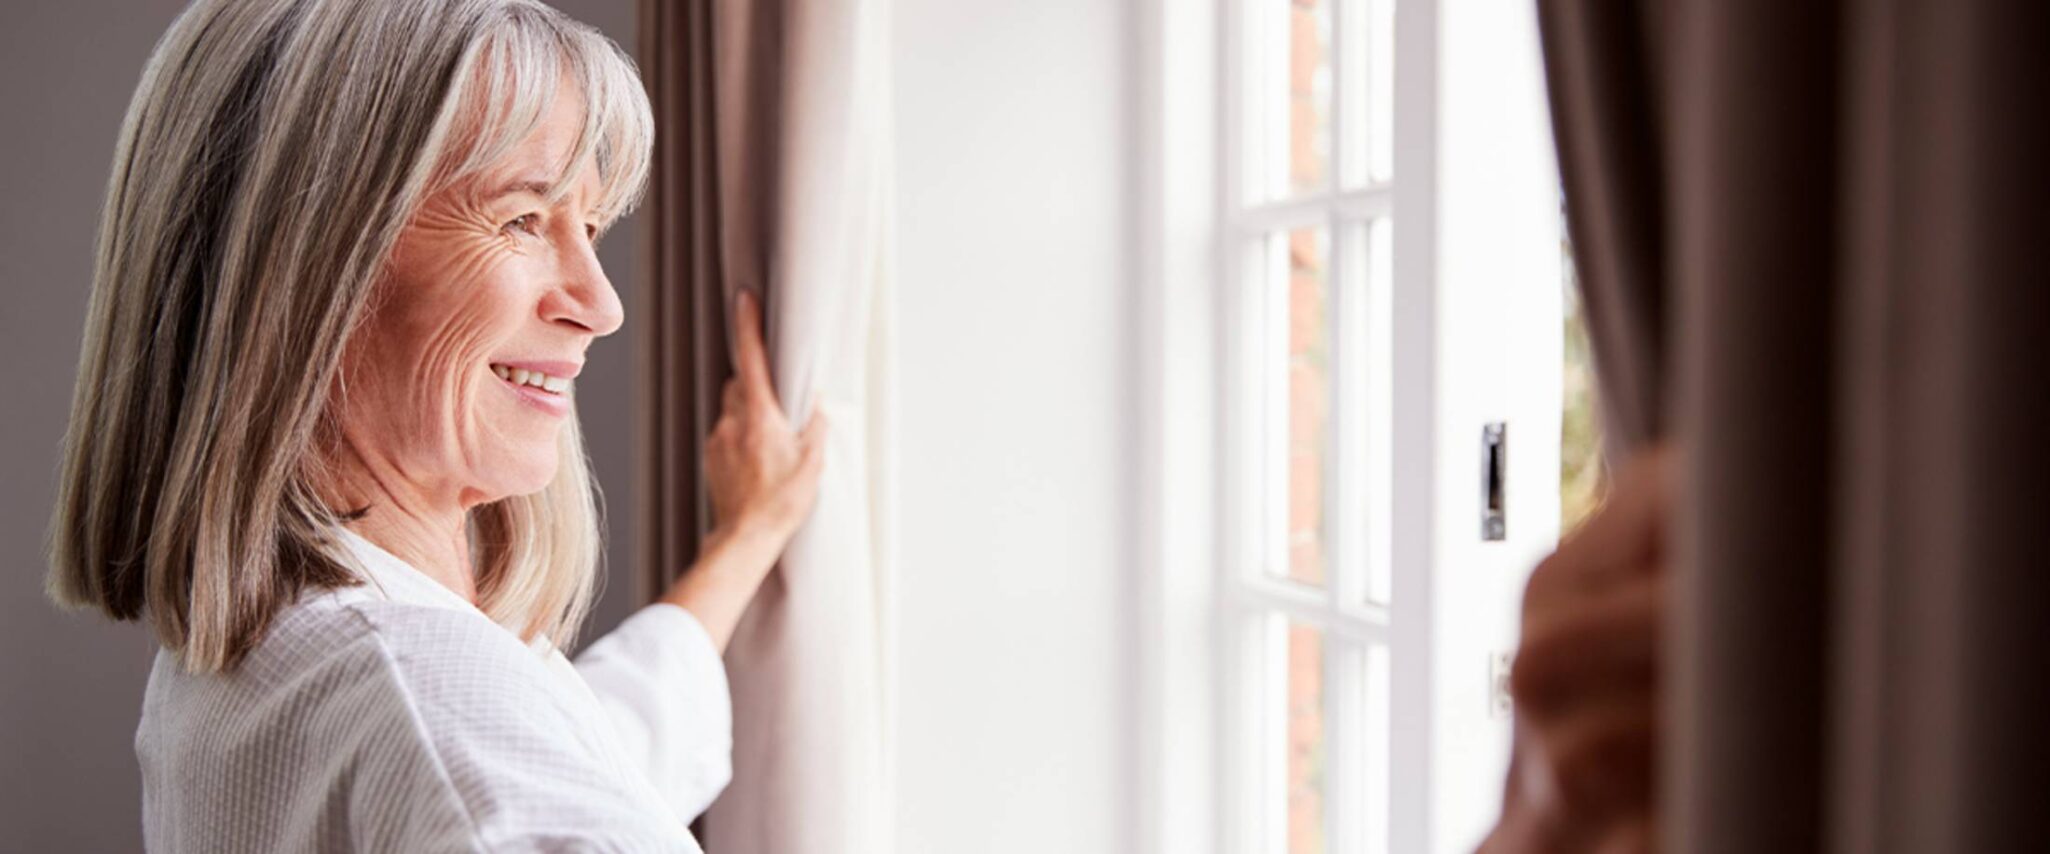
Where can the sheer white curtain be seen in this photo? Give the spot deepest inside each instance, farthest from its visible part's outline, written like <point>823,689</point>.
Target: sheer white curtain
<point>774,176</point>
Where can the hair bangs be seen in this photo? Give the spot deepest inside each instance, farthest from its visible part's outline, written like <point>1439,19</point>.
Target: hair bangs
<point>518,68</point>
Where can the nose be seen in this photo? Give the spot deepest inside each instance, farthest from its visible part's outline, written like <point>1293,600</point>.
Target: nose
<point>585,299</point>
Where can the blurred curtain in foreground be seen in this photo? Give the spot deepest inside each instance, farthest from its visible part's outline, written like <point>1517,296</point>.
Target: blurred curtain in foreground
<point>772,174</point>
<point>1836,213</point>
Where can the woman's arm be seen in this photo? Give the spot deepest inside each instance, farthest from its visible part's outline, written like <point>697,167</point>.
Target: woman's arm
<point>729,569</point>
<point>763,476</point>
<point>659,674</point>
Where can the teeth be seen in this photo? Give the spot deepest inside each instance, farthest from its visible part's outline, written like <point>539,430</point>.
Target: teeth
<point>535,379</point>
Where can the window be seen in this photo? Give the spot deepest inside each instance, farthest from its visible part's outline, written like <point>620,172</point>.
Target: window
<point>1350,262</point>
<point>1351,249</point>
<point>1308,588</point>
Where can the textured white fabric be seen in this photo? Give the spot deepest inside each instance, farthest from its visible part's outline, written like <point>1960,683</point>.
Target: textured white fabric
<point>396,716</point>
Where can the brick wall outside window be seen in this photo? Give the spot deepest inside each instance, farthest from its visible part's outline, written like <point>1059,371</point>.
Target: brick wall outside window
<point>1309,403</point>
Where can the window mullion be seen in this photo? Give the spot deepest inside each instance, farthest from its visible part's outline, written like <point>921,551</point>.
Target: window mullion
<point>1274,288</point>
<point>1344,729</point>
<point>1364,624</point>
<point>1347,581</point>
<point>1351,206</point>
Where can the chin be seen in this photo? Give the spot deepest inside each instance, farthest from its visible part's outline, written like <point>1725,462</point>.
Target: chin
<point>535,475</point>
<point>525,472</point>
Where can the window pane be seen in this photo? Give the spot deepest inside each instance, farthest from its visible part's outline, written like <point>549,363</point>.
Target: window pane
<point>1291,121</point>
<point>1368,111</point>
<point>1581,473</point>
<point>1304,259</point>
<point>1306,748</point>
<point>1309,93</point>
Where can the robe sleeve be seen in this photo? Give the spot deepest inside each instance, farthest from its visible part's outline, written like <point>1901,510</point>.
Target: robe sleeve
<point>660,679</point>
<point>468,749</point>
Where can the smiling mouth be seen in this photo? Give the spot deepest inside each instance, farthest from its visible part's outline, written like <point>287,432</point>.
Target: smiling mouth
<point>532,379</point>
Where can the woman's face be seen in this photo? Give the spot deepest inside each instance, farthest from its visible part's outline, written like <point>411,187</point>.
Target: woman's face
<point>459,379</point>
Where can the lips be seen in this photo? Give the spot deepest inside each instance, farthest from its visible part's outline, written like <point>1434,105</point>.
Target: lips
<point>551,383</point>
<point>542,385</point>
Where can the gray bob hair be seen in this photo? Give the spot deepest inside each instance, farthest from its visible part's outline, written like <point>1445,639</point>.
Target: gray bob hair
<point>272,154</point>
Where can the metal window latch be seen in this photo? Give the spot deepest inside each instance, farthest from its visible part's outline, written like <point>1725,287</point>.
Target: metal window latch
<point>1501,703</point>
<point>1494,480</point>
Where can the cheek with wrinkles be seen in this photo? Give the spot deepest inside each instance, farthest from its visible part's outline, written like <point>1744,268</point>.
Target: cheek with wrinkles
<point>438,326</point>
<point>444,379</point>
<point>460,290</point>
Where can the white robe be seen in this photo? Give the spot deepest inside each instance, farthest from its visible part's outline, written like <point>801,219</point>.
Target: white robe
<point>396,716</point>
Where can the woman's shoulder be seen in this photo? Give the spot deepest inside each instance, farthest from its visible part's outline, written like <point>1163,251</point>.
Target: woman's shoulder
<point>419,680</point>
<point>420,649</point>
<point>343,645</point>
<point>475,698</point>
<point>439,713</point>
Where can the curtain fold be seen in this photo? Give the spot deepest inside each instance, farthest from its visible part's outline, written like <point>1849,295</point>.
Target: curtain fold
<point>1809,239</point>
<point>1609,132</point>
<point>773,175</point>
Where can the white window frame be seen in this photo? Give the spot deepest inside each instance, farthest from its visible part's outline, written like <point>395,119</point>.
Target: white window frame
<point>1451,617</point>
<point>1256,603</point>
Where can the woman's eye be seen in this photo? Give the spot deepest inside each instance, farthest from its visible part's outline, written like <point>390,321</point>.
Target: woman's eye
<point>529,223</point>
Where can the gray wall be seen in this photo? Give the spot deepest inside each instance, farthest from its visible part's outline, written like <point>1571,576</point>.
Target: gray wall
<point>71,684</point>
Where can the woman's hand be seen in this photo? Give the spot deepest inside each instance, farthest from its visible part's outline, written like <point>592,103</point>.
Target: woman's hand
<point>1586,680</point>
<point>762,474</point>
<point>763,477</point>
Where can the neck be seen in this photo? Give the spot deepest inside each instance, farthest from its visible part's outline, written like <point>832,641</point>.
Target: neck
<point>428,528</point>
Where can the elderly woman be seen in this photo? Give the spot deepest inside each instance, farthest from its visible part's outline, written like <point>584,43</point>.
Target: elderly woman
<point>324,442</point>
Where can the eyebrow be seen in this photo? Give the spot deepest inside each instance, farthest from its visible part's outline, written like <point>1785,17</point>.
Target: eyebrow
<point>535,186</point>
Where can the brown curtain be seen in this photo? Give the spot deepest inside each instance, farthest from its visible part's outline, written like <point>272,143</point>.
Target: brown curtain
<point>1810,237</point>
<point>684,348</point>
<point>772,175</point>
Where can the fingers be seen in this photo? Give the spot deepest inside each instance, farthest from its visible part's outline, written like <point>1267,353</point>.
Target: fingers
<point>1521,830</point>
<point>1601,759</point>
<point>1634,835</point>
<point>1605,644</point>
<point>1586,673</point>
<point>733,397</point>
<point>1622,541</point>
<point>813,438</point>
<point>750,356</point>
<point>814,433</point>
